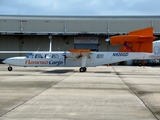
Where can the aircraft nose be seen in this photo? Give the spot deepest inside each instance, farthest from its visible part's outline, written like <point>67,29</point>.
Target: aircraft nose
<point>13,60</point>
<point>5,61</point>
<point>8,61</point>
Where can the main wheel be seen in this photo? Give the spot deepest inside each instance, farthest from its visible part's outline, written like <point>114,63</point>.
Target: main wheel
<point>9,68</point>
<point>85,69</point>
<point>82,69</point>
<point>140,64</point>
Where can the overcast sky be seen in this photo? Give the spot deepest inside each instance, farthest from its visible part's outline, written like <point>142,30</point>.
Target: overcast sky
<point>80,7</point>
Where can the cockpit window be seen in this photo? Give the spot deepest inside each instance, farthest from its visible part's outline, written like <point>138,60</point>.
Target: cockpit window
<point>30,55</point>
<point>38,56</point>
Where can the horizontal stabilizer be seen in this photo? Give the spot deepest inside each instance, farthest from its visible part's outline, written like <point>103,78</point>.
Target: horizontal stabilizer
<point>135,41</point>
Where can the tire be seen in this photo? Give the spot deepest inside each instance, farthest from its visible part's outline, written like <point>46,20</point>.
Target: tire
<point>85,69</point>
<point>82,69</point>
<point>140,65</point>
<point>9,68</point>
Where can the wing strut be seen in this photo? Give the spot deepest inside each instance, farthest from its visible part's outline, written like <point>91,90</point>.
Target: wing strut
<point>83,63</point>
<point>83,54</point>
<point>50,43</point>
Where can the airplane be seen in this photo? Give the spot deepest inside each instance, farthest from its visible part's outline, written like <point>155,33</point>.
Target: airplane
<point>136,45</point>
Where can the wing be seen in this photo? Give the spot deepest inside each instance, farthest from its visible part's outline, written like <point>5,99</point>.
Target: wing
<point>80,53</point>
<point>16,51</point>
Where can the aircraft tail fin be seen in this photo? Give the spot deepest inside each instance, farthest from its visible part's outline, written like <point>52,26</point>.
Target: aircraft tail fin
<point>145,32</point>
<point>136,41</point>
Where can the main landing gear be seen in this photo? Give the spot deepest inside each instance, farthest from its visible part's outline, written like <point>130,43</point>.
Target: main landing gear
<point>10,68</point>
<point>83,69</point>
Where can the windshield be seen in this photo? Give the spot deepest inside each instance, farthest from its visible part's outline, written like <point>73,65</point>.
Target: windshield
<point>30,55</point>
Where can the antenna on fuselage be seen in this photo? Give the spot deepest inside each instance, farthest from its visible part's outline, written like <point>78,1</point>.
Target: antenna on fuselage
<point>50,43</point>
<point>38,49</point>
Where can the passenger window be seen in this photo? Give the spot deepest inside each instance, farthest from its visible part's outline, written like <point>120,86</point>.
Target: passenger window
<point>48,56</point>
<point>55,56</point>
<point>100,56</point>
<point>38,56</point>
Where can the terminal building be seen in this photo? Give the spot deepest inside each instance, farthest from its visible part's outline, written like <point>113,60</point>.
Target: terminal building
<point>32,33</point>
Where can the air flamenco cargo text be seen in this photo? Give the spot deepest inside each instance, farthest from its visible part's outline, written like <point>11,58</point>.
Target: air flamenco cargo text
<point>44,62</point>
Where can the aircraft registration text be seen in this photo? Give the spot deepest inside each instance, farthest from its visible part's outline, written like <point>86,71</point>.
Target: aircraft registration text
<point>120,54</point>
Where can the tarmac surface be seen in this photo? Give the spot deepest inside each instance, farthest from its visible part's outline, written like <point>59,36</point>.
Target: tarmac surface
<point>101,93</point>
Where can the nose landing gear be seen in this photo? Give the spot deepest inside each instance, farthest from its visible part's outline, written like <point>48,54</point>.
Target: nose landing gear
<point>10,68</point>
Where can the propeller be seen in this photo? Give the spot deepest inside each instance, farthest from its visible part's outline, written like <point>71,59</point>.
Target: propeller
<point>108,37</point>
<point>108,40</point>
<point>65,57</point>
<point>65,53</point>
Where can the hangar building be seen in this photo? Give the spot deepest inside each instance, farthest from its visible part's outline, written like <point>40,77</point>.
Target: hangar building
<point>32,33</point>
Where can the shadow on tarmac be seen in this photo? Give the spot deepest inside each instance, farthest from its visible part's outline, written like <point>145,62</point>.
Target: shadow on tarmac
<point>59,71</point>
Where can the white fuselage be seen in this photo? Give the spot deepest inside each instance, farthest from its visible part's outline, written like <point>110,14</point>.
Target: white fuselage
<point>156,51</point>
<point>58,59</point>
<point>69,59</point>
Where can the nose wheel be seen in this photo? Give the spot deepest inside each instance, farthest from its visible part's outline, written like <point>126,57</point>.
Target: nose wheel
<point>10,68</point>
<point>83,69</point>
